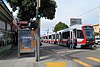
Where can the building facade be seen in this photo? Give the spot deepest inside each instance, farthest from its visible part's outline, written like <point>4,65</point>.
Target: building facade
<point>6,24</point>
<point>96,28</point>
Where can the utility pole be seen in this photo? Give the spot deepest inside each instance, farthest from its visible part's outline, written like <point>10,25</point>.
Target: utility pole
<point>37,51</point>
<point>99,18</point>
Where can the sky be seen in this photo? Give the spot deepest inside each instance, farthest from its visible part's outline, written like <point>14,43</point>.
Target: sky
<point>86,9</point>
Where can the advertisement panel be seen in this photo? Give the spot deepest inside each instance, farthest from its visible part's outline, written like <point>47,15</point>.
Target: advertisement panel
<point>26,41</point>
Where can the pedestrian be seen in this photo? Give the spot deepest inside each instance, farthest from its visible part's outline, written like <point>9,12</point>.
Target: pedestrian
<point>71,44</point>
<point>75,42</point>
<point>68,42</point>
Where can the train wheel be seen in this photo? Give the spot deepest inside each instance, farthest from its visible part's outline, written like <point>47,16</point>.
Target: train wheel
<point>93,47</point>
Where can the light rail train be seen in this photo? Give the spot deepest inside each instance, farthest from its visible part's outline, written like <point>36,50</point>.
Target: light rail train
<point>83,34</point>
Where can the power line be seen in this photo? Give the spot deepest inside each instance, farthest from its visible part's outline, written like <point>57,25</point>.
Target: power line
<point>88,11</point>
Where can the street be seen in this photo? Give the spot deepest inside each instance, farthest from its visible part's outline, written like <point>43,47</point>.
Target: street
<point>58,56</point>
<point>79,57</point>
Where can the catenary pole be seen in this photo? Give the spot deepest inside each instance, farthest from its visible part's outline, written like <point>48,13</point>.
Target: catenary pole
<point>99,18</point>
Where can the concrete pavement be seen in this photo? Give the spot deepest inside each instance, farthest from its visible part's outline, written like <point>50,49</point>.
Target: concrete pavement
<point>25,62</point>
<point>50,56</point>
<point>9,59</point>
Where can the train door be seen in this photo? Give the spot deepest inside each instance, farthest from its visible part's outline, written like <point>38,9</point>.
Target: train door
<point>75,37</point>
<point>72,35</point>
<point>59,38</point>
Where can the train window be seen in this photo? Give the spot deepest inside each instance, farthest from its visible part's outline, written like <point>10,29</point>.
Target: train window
<point>74,31</point>
<point>66,35</point>
<point>71,35</point>
<point>53,36</point>
<point>57,36</point>
<point>60,35</point>
<point>89,33</point>
<point>49,36</point>
<point>46,37</point>
<point>79,34</point>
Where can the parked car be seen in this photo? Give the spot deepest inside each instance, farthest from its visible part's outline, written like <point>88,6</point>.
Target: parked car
<point>97,40</point>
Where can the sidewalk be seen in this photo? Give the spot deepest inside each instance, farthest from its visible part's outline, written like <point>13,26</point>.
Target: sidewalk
<point>9,59</point>
<point>47,59</point>
<point>23,62</point>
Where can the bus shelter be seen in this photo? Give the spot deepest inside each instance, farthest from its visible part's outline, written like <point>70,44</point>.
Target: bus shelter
<point>26,41</point>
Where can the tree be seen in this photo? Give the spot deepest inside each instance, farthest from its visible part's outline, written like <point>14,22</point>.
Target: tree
<point>96,34</point>
<point>27,8</point>
<point>60,26</point>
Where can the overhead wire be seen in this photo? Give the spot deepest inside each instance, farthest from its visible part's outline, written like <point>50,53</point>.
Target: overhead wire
<point>88,11</point>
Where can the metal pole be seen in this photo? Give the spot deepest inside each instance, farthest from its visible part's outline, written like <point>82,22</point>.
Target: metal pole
<point>37,51</point>
<point>99,18</point>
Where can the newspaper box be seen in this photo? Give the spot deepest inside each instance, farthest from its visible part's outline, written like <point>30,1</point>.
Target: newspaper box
<point>26,41</point>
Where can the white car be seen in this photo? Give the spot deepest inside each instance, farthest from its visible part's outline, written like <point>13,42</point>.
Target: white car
<point>97,40</point>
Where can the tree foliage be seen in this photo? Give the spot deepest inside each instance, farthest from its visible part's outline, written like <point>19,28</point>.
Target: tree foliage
<point>27,8</point>
<point>60,26</point>
<point>96,34</point>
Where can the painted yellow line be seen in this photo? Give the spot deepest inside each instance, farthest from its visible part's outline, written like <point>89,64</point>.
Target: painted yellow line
<point>82,63</point>
<point>94,59</point>
<point>55,64</point>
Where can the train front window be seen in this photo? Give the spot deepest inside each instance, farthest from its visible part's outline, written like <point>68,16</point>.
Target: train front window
<point>89,33</point>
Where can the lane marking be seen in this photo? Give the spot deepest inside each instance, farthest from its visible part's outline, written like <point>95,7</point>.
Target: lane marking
<point>55,64</point>
<point>93,59</point>
<point>71,51</point>
<point>76,50</point>
<point>82,63</point>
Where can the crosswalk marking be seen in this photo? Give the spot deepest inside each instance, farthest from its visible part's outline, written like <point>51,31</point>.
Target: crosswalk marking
<point>94,59</point>
<point>63,64</point>
<point>55,64</point>
<point>82,63</point>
